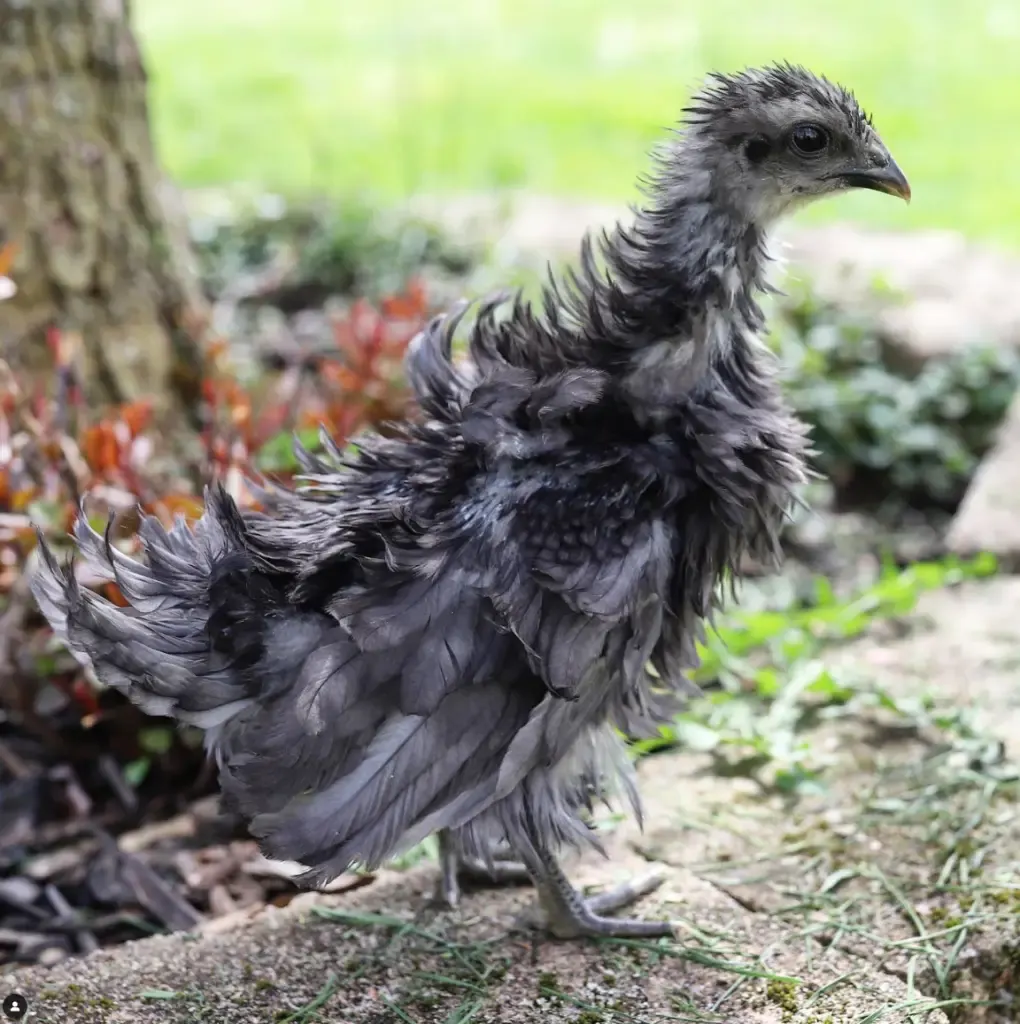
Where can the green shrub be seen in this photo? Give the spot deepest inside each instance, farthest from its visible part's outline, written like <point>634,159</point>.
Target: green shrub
<point>886,437</point>
<point>306,253</point>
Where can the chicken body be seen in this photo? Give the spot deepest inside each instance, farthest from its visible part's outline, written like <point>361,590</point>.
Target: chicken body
<point>447,630</point>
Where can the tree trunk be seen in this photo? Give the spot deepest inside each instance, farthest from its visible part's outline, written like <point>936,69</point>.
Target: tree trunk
<point>99,253</point>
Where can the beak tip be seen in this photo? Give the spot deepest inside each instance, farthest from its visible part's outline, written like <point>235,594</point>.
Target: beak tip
<point>899,182</point>
<point>889,179</point>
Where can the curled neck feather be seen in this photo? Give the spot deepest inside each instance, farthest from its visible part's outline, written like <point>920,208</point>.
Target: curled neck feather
<point>673,293</point>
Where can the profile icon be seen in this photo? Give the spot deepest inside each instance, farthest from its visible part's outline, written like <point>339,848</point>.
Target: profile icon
<point>14,1006</point>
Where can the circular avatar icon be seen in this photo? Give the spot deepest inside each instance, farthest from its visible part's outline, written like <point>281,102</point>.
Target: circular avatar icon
<point>15,1006</point>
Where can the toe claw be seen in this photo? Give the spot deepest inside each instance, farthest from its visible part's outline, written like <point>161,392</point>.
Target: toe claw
<point>625,894</point>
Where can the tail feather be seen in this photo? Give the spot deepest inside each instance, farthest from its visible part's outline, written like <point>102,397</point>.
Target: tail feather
<point>162,649</point>
<point>321,745</point>
<point>340,735</point>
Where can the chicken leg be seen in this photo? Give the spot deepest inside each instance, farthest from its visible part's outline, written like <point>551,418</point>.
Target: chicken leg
<point>453,865</point>
<point>568,914</point>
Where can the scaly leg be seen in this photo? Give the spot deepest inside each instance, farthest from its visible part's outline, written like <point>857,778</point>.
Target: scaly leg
<point>503,870</point>
<point>570,915</point>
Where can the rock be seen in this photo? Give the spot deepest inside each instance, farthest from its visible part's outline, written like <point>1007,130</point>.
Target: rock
<point>960,643</point>
<point>519,222</point>
<point>989,516</point>
<point>393,947</point>
<point>935,290</point>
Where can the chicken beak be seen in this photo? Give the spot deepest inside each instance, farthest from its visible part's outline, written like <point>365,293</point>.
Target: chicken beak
<point>887,178</point>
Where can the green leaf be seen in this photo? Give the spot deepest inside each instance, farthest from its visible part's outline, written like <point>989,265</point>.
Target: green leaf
<point>799,780</point>
<point>277,454</point>
<point>157,740</point>
<point>695,735</point>
<point>836,879</point>
<point>135,772</point>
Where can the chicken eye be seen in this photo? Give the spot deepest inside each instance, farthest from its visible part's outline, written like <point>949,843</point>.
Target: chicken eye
<point>809,139</point>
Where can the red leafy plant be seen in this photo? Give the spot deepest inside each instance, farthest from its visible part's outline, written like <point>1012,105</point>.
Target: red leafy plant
<point>77,759</point>
<point>54,451</point>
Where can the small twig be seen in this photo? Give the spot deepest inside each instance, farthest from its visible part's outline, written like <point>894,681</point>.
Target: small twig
<point>72,466</point>
<point>77,797</point>
<point>150,890</point>
<point>114,776</point>
<point>87,942</point>
<point>181,826</point>
<point>13,763</point>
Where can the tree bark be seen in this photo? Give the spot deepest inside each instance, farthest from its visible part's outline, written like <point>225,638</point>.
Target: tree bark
<point>100,252</point>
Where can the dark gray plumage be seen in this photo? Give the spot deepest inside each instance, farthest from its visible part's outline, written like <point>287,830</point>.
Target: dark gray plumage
<point>443,632</point>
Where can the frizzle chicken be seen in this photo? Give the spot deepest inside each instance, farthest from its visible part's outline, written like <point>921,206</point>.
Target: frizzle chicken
<point>447,631</point>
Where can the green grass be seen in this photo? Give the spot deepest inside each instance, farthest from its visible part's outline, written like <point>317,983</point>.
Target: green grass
<point>395,96</point>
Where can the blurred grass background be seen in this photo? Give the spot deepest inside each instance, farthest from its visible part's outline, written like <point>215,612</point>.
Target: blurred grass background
<point>565,97</point>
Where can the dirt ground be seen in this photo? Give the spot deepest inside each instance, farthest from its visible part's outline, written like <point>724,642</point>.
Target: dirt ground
<point>891,896</point>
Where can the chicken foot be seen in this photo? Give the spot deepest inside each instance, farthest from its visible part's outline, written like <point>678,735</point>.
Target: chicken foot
<point>569,915</point>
